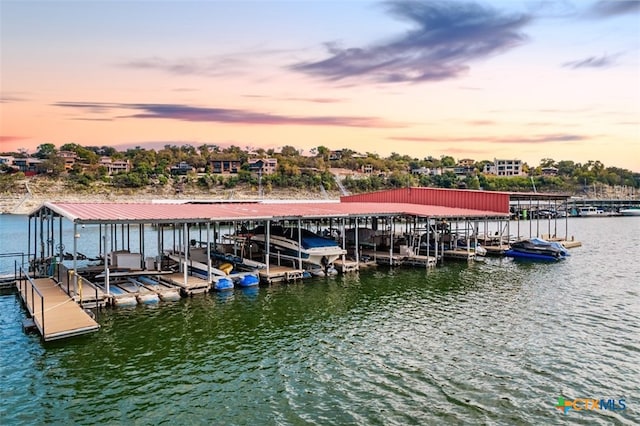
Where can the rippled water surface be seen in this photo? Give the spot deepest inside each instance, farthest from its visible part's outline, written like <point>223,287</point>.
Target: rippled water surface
<point>492,342</point>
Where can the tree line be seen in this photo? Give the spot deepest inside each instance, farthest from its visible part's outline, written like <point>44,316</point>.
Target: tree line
<point>313,171</point>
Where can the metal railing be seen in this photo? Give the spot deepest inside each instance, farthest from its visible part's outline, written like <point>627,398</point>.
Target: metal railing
<point>28,288</point>
<point>14,255</point>
<point>67,276</point>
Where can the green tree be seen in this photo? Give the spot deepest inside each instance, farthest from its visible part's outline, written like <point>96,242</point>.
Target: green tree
<point>547,162</point>
<point>472,182</point>
<point>45,150</point>
<point>447,161</point>
<point>289,151</point>
<point>324,153</point>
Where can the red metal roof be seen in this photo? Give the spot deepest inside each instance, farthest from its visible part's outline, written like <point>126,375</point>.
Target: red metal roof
<point>170,213</point>
<point>458,198</point>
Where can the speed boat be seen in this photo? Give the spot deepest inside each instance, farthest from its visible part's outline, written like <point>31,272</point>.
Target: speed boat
<point>632,211</point>
<point>537,249</point>
<point>289,243</point>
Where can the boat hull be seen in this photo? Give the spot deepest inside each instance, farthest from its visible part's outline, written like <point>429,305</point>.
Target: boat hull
<point>283,247</point>
<point>248,281</point>
<point>532,256</point>
<point>223,284</point>
<point>630,212</point>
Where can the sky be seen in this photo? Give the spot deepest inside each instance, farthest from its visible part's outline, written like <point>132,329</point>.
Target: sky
<point>514,79</point>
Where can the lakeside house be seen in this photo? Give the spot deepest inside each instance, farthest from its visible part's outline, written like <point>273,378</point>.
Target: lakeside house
<point>265,166</point>
<point>504,167</point>
<point>115,166</point>
<point>225,166</point>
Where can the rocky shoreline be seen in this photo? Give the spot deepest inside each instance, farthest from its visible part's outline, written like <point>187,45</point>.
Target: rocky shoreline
<point>33,194</point>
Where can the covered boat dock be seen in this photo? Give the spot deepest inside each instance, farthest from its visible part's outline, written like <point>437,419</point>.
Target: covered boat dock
<point>413,212</point>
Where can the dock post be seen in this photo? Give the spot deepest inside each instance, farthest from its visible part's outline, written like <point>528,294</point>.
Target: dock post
<point>75,257</point>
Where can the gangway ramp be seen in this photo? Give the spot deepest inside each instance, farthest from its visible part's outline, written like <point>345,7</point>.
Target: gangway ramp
<point>55,314</point>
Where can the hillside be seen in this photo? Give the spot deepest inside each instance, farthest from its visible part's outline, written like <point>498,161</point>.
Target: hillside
<point>28,194</point>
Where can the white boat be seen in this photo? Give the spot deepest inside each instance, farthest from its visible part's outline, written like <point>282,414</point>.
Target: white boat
<point>121,297</point>
<point>319,271</point>
<point>143,295</point>
<point>164,291</point>
<point>590,211</point>
<point>632,211</point>
<point>286,243</point>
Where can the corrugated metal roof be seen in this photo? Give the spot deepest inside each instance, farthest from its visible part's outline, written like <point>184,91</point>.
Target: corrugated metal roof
<point>192,213</point>
<point>457,198</point>
<point>464,198</point>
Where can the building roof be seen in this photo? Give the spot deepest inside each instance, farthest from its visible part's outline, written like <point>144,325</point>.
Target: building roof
<point>534,196</point>
<point>417,201</point>
<point>222,212</point>
<point>467,198</point>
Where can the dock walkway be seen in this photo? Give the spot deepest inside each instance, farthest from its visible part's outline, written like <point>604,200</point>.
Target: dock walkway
<point>192,285</point>
<point>54,313</point>
<point>280,273</point>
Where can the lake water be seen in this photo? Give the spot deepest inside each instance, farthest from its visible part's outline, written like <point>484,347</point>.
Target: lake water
<point>491,342</point>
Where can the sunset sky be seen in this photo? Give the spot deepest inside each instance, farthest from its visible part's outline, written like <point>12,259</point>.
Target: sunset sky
<point>480,80</point>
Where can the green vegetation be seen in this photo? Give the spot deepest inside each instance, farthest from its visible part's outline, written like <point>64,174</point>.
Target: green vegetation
<point>369,172</point>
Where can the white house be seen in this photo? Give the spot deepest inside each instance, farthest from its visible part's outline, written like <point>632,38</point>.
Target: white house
<point>504,167</point>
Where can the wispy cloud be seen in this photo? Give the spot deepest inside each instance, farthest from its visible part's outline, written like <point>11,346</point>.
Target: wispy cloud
<point>603,61</point>
<point>222,65</point>
<point>7,139</point>
<point>481,123</point>
<point>445,37</point>
<point>316,100</point>
<point>223,115</point>
<point>558,137</point>
<point>466,151</point>
<point>6,98</point>
<point>298,99</point>
<point>611,8</point>
<point>211,66</point>
<point>92,119</point>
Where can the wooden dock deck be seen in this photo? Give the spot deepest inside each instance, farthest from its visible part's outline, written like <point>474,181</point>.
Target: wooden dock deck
<point>458,254</point>
<point>571,244</point>
<point>409,259</point>
<point>496,250</point>
<point>280,273</point>
<point>384,257</point>
<point>89,295</point>
<point>420,260</point>
<point>54,313</point>
<point>346,265</point>
<point>193,285</point>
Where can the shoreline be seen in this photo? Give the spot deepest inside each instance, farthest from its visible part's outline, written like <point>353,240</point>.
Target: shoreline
<point>29,202</point>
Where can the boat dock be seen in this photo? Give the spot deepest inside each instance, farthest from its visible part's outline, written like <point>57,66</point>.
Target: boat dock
<point>191,249</point>
<point>396,259</point>
<point>54,313</point>
<point>572,243</point>
<point>496,250</point>
<point>459,254</point>
<point>346,265</point>
<point>383,257</point>
<point>420,260</point>
<point>190,285</point>
<point>279,274</point>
